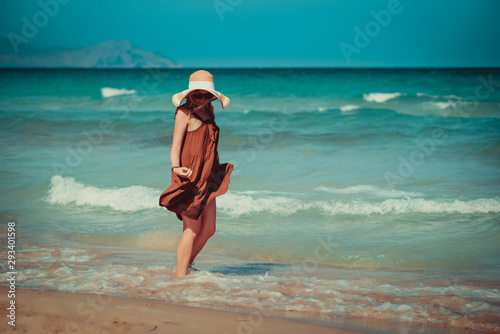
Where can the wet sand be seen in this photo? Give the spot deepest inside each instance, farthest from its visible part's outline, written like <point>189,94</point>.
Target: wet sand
<point>63,312</point>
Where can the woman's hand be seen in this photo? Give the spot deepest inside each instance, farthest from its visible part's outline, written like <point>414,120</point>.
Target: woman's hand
<point>183,171</point>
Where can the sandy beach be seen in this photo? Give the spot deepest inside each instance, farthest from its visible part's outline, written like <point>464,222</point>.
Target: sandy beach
<point>58,312</point>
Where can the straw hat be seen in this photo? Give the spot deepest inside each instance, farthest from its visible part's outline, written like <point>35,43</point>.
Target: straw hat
<point>201,80</point>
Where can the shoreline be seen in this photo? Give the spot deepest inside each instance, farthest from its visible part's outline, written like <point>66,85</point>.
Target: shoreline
<point>39,311</point>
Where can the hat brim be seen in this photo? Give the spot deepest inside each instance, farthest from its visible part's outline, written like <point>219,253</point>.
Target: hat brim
<point>177,98</point>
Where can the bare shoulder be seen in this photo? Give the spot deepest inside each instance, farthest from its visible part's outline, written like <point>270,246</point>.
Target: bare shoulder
<point>181,122</point>
<point>183,113</point>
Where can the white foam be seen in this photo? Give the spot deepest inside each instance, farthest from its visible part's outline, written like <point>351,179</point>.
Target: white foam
<point>368,189</point>
<point>439,96</point>
<point>381,97</point>
<point>71,255</point>
<point>405,206</point>
<point>395,300</point>
<point>349,109</point>
<point>236,205</point>
<point>440,105</point>
<point>65,190</point>
<point>346,108</point>
<point>263,191</point>
<point>26,274</point>
<point>110,92</point>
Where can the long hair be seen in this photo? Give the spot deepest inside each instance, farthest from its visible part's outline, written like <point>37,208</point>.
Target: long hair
<point>192,107</point>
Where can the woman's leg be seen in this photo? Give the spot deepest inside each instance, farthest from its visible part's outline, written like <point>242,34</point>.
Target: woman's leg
<point>207,230</point>
<point>185,247</point>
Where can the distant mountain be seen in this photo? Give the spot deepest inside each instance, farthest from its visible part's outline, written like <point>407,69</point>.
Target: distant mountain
<point>110,54</point>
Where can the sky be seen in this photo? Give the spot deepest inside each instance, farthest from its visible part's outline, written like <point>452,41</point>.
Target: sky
<point>275,33</point>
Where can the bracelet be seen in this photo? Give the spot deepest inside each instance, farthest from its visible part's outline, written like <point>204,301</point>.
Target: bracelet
<point>172,169</point>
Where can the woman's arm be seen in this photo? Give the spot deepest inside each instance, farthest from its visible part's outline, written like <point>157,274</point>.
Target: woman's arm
<point>180,127</point>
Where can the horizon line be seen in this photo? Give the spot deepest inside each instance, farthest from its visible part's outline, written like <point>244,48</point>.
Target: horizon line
<point>254,68</point>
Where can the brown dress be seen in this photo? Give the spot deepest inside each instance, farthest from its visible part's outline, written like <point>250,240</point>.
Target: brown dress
<point>189,196</point>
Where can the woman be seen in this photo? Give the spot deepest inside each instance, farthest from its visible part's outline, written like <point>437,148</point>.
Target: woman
<point>197,176</point>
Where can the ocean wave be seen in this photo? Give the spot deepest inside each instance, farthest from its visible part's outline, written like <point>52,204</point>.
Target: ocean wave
<point>408,205</point>
<point>349,109</point>
<point>321,109</point>
<point>238,205</point>
<point>66,190</point>
<point>110,92</point>
<point>372,190</point>
<point>381,97</point>
<point>346,109</point>
<point>440,105</point>
<point>439,96</point>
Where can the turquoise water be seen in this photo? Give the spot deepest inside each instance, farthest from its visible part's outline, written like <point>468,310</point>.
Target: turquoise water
<point>344,181</point>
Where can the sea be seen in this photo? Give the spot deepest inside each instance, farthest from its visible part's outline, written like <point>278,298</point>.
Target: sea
<point>358,195</point>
